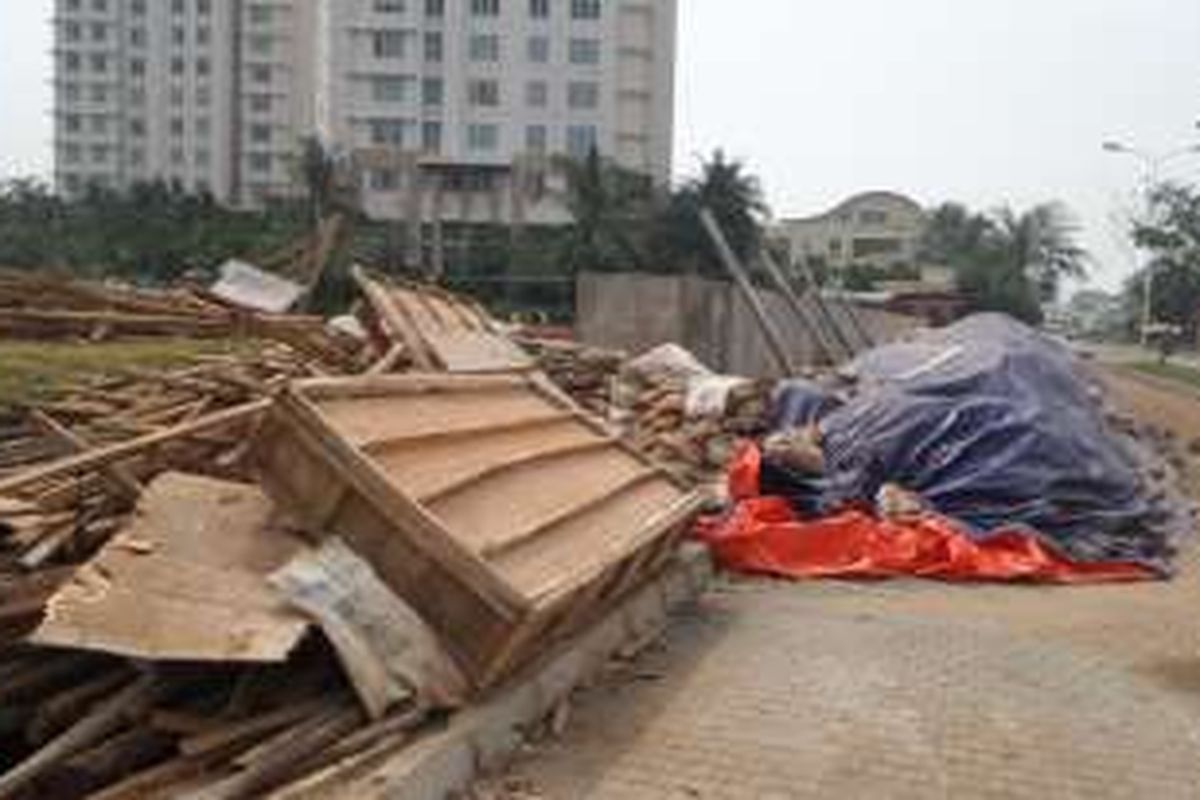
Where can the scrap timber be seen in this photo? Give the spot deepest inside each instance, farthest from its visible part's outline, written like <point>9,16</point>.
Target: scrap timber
<point>221,578</point>
<point>498,510</point>
<point>439,330</point>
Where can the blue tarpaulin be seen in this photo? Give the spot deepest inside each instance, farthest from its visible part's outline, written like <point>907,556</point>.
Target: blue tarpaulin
<point>996,425</point>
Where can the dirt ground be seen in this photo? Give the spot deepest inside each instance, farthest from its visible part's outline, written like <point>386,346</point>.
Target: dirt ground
<point>903,689</point>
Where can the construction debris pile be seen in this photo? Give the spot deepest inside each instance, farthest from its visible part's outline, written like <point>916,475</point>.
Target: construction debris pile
<point>665,402</point>
<point>176,619</point>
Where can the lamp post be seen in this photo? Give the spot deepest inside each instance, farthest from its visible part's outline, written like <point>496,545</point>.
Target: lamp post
<point>1152,165</point>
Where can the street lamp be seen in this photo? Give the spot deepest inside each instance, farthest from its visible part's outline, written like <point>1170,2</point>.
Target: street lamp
<point>1152,165</point>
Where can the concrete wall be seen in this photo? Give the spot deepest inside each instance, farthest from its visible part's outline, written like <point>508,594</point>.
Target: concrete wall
<point>636,312</point>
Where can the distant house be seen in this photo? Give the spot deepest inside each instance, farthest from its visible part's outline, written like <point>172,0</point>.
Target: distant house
<point>880,229</point>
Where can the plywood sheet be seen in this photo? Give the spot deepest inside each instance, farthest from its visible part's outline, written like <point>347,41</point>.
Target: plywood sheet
<point>185,581</point>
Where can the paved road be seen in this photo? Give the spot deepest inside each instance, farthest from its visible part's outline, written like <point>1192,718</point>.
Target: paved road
<point>903,690</point>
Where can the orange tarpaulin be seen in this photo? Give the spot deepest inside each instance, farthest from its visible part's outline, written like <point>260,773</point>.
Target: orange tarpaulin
<point>764,535</point>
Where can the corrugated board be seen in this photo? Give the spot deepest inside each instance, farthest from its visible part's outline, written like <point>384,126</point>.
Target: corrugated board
<point>250,287</point>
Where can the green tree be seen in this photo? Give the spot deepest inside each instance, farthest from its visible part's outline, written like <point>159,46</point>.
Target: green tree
<point>735,197</point>
<point>610,207</point>
<point>1171,232</point>
<point>1006,261</point>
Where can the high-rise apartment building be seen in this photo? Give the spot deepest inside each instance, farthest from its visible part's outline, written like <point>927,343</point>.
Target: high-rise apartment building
<point>444,109</point>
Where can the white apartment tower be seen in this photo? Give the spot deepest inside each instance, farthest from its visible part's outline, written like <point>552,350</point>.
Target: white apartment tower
<point>446,110</point>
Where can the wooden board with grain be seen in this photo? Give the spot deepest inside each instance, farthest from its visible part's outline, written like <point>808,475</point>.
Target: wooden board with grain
<point>185,581</point>
<point>441,330</point>
<point>497,510</point>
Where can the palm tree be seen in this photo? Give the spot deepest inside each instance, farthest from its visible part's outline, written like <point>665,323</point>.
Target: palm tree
<point>609,207</point>
<point>733,195</point>
<point>1041,244</point>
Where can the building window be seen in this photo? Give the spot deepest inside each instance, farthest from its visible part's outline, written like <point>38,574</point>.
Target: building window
<point>539,49</point>
<point>137,67</point>
<point>483,93</point>
<point>99,32</point>
<point>260,73</point>
<point>137,128</point>
<point>137,37</point>
<point>260,103</point>
<point>873,217</point>
<point>203,7</point>
<point>71,153</point>
<point>485,47</point>
<point>485,8</point>
<point>73,123</point>
<point>583,94</point>
<point>260,162</point>
<point>72,61</point>
<point>435,8</point>
<point>384,180</point>
<point>388,44</point>
<point>390,88</point>
<point>585,9</point>
<point>388,132</point>
<point>483,137</point>
<point>203,67</point>
<point>260,14</point>
<point>581,140</point>
<point>433,92</point>
<point>138,8</point>
<point>539,9</point>
<point>261,44</point>
<point>178,35</point>
<point>585,51</point>
<point>176,126</point>
<point>177,7</point>
<point>100,153</point>
<point>71,92</point>
<point>431,137</point>
<point>99,124</point>
<point>176,96</point>
<point>99,93</point>
<point>537,94</point>
<point>98,62</point>
<point>72,32</point>
<point>137,156</point>
<point>434,50</point>
<point>536,138</point>
<point>100,6</point>
<point>137,96</point>
<point>389,6</point>
<point>260,134</point>
<point>203,35</point>
<point>177,66</point>
<point>203,126</point>
<point>203,96</point>
<point>202,158</point>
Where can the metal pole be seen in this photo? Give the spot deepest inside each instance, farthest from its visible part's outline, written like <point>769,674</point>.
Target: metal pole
<point>735,269</point>
<point>781,282</point>
<point>834,326</point>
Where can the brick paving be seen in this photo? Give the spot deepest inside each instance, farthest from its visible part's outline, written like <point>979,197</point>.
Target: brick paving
<point>898,690</point>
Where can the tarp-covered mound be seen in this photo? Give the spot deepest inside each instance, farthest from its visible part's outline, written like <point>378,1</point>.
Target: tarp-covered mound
<point>1001,432</point>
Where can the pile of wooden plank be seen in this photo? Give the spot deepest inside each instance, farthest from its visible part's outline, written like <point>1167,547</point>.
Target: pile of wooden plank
<point>696,445</point>
<point>588,374</point>
<point>43,307</point>
<point>178,617</point>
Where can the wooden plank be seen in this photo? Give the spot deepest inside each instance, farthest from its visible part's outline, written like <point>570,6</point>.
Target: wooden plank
<point>186,581</point>
<point>104,456</point>
<point>396,325</point>
<point>132,700</point>
<point>119,477</point>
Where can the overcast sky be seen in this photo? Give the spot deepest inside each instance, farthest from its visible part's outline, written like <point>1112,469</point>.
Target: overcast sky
<point>986,101</point>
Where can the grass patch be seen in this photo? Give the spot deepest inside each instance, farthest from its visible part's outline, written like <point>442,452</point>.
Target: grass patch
<point>33,372</point>
<point>1173,372</point>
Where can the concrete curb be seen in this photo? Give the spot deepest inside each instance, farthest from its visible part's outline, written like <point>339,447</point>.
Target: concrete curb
<point>484,738</point>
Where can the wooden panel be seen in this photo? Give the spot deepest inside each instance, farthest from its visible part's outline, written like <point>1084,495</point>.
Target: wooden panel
<point>363,421</point>
<point>497,510</point>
